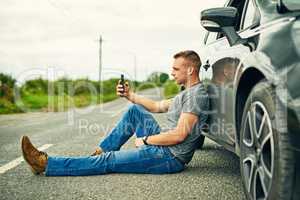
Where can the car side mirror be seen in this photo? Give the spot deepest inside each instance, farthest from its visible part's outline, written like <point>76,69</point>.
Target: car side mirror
<point>222,20</point>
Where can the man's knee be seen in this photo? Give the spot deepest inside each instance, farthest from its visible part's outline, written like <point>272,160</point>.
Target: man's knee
<point>136,107</point>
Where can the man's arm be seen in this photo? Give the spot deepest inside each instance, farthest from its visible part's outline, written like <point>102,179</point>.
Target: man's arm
<point>149,104</point>
<point>185,125</point>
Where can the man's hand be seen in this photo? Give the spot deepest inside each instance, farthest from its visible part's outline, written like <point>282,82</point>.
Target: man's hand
<point>123,91</point>
<point>139,142</point>
<point>149,104</point>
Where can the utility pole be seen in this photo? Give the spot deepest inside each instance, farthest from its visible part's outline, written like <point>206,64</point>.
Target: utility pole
<point>100,58</point>
<point>100,96</point>
<point>134,56</point>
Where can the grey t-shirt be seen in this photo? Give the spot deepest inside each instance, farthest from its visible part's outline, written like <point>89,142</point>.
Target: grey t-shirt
<point>191,100</point>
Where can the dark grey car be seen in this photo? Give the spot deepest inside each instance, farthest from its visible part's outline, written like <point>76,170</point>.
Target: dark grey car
<point>253,59</point>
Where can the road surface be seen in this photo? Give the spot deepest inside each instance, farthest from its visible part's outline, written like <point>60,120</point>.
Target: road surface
<point>212,174</point>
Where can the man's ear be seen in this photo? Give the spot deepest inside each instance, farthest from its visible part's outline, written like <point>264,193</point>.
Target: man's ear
<point>190,70</point>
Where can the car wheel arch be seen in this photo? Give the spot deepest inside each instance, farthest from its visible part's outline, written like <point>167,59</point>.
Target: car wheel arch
<point>247,81</point>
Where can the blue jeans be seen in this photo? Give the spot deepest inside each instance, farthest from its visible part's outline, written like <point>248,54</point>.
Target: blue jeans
<point>150,159</point>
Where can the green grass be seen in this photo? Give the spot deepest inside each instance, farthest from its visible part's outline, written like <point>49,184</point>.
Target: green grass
<point>42,102</point>
<point>35,101</point>
<point>109,97</point>
<point>66,93</point>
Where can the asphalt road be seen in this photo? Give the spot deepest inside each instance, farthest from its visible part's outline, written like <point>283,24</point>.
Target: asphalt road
<point>212,174</point>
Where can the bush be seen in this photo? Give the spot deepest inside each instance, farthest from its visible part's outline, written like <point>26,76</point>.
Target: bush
<point>7,107</point>
<point>62,85</point>
<point>109,86</point>
<point>159,78</point>
<point>35,86</point>
<point>82,87</point>
<point>7,84</point>
<point>66,93</point>
<point>7,80</point>
<point>171,89</point>
<point>35,101</point>
<point>145,85</point>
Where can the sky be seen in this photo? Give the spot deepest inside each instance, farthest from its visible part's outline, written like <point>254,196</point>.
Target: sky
<point>52,38</point>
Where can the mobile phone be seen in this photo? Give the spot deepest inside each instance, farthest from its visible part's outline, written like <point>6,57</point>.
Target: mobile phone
<point>122,82</point>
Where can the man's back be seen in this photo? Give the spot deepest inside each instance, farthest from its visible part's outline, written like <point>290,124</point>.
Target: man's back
<point>192,100</point>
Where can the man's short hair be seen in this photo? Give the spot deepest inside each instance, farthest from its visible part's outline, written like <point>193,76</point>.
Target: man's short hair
<point>191,56</point>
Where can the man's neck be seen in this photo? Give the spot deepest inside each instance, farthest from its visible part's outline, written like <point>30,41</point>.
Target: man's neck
<point>192,82</point>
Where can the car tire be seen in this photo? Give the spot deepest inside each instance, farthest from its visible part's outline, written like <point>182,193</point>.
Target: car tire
<point>200,142</point>
<point>267,161</point>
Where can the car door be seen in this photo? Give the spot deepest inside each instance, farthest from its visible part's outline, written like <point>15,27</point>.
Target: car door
<point>225,62</point>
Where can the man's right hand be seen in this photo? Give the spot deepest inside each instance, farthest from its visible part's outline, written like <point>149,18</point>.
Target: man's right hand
<point>123,91</point>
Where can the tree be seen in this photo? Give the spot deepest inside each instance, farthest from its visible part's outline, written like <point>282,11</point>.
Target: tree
<point>7,84</point>
<point>7,80</point>
<point>163,77</point>
<point>158,78</point>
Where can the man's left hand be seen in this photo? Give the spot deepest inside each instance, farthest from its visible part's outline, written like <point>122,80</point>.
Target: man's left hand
<point>138,142</point>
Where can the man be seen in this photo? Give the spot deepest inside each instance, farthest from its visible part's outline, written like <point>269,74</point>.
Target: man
<point>224,71</point>
<point>157,151</point>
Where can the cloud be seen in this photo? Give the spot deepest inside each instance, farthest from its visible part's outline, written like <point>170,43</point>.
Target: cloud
<point>64,33</point>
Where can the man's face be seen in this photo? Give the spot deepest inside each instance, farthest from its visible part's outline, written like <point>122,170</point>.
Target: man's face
<point>180,70</point>
<point>229,72</point>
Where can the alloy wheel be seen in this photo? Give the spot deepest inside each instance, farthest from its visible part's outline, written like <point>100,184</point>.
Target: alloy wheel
<point>257,152</point>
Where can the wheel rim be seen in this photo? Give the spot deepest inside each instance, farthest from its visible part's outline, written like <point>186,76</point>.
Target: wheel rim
<point>257,152</point>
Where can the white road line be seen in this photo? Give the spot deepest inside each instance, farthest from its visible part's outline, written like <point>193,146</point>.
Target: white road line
<point>19,160</point>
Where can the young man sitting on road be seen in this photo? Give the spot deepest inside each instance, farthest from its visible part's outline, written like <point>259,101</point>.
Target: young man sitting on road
<point>157,151</point>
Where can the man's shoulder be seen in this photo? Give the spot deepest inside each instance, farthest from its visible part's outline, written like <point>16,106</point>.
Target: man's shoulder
<point>198,90</point>
<point>197,93</point>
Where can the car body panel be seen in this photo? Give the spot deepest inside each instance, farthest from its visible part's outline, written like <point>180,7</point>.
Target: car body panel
<point>271,53</point>
<point>276,33</point>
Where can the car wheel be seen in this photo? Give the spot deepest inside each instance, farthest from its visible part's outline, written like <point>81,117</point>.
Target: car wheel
<point>266,158</point>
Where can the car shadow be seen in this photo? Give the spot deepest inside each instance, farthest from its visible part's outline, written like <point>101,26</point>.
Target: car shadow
<point>213,158</point>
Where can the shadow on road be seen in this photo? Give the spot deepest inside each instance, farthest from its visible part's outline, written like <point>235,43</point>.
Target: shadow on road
<point>214,159</point>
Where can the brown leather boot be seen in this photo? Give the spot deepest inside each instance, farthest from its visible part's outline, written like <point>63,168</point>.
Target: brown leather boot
<point>36,159</point>
<point>97,152</point>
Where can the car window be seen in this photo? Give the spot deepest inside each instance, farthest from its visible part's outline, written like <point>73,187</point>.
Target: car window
<point>211,37</point>
<point>239,5</point>
<point>292,4</point>
<point>249,16</point>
